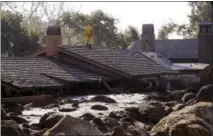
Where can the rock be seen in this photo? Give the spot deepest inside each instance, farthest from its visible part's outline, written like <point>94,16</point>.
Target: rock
<point>117,114</point>
<point>60,134</point>
<point>158,97</point>
<point>178,94</point>
<point>75,105</point>
<point>187,97</point>
<point>178,107</point>
<point>128,119</point>
<point>171,103</point>
<point>35,133</point>
<point>50,106</point>
<point>26,131</point>
<point>43,118</point>
<point>18,119</point>
<point>87,116</point>
<point>25,125</point>
<point>72,126</point>
<point>72,101</point>
<point>125,125</point>
<point>102,98</point>
<point>16,108</point>
<point>195,120</point>
<point>10,128</point>
<point>168,110</point>
<point>35,126</point>
<point>52,119</point>
<point>118,131</point>
<point>112,122</point>
<point>99,107</point>
<point>152,111</point>
<point>205,93</point>
<point>98,122</point>
<point>66,109</point>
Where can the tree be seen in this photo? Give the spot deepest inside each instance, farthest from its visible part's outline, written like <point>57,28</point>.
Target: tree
<point>200,12</point>
<point>15,39</point>
<point>166,30</point>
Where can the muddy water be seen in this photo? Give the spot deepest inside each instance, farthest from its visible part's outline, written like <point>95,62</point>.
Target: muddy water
<point>123,101</point>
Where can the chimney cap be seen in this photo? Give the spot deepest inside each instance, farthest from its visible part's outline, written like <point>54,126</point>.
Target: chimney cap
<point>53,30</point>
<point>148,29</point>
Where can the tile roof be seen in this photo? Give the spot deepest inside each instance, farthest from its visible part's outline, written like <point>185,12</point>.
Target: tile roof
<point>27,72</point>
<point>177,48</point>
<point>184,48</point>
<point>116,60</point>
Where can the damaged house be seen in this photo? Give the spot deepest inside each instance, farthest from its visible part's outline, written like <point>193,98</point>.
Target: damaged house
<point>188,56</point>
<point>74,68</point>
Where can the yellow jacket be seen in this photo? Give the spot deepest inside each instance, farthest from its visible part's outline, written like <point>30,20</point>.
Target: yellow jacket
<point>88,32</point>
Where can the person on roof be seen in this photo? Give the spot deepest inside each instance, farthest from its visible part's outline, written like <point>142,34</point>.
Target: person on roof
<point>89,35</point>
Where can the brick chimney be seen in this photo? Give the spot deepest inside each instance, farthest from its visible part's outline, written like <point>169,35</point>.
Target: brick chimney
<point>205,52</point>
<point>53,40</point>
<point>148,38</point>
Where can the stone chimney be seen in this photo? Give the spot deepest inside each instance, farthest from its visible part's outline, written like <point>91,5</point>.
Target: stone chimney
<point>148,38</point>
<point>205,52</point>
<point>53,40</point>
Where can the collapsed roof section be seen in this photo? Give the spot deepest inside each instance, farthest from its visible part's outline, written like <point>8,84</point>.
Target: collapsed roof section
<point>116,62</point>
<point>40,72</point>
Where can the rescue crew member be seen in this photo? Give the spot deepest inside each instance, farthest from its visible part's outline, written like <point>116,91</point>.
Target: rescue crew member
<point>89,33</point>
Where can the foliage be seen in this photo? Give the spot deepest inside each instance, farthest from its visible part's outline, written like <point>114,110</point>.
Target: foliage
<point>15,40</point>
<point>200,12</point>
<point>23,31</point>
<point>166,30</point>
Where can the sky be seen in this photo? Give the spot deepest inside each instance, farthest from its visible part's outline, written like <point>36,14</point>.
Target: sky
<point>137,13</point>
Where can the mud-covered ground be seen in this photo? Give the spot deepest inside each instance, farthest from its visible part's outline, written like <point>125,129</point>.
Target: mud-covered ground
<point>111,115</point>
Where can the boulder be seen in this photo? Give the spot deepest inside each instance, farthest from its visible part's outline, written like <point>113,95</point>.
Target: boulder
<point>205,93</point>
<point>18,119</point>
<point>102,98</point>
<point>195,120</point>
<point>73,126</point>
<point>66,109</point>
<point>112,122</point>
<point>178,107</point>
<point>171,103</point>
<point>87,116</point>
<point>52,119</point>
<point>187,97</point>
<point>99,107</point>
<point>117,114</point>
<point>75,105</point>
<point>118,131</point>
<point>152,111</point>
<point>178,94</point>
<point>163,97</point>
<point>43,118</point>
<point>98,122</point>
<point>16,108</point>
<point>10,128</point>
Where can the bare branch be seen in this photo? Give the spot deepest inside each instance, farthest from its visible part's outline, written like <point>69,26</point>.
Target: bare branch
<point>33,11</point>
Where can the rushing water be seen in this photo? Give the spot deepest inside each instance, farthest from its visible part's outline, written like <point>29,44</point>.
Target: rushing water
<point>123,101</point>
